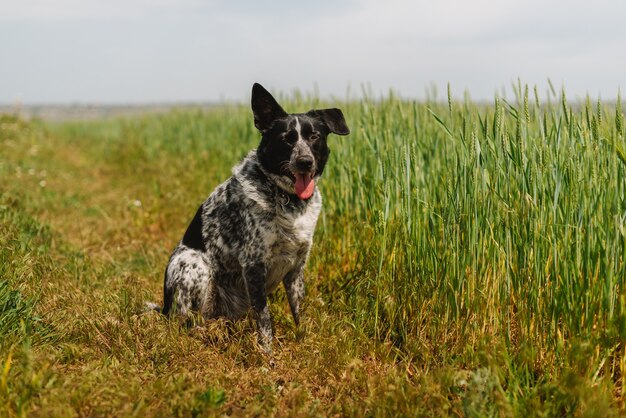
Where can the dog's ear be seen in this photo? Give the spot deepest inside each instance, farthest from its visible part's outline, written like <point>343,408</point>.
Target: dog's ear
<point>333,118</point>
<point>265,108</point>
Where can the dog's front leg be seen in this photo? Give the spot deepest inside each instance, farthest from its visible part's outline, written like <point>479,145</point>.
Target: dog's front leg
<point>254,275</point>
<point>294,286</point>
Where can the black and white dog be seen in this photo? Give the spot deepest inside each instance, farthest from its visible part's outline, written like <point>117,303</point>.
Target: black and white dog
<point>255,230</point>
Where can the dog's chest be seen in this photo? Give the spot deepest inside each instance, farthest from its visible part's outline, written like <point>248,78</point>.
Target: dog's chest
<point>288,242</point>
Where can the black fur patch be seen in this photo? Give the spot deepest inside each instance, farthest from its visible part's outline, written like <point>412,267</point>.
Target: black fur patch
<point>193,236</point>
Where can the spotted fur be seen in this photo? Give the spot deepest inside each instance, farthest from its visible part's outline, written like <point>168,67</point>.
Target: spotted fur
<point>254,232</point>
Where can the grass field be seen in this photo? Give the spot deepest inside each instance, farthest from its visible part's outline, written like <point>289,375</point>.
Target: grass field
<point>469,260</point>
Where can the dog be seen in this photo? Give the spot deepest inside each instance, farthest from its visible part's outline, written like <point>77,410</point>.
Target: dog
<point>255,230</point>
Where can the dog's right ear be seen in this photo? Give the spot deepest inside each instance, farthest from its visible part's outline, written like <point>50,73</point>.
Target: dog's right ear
<point>265,108</point>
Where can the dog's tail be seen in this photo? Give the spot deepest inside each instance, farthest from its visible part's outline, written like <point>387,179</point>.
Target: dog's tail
<point>167,304</point>
<point>151,306</point>
<point>168,299</point>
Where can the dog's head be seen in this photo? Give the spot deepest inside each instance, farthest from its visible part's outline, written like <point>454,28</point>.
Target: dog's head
<point>293,148</point>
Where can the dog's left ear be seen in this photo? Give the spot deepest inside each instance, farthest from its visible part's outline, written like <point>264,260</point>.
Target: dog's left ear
<point>265,108</point>
<point>333,118</point>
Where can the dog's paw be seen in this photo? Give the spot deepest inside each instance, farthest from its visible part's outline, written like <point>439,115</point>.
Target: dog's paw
<point>265,346</point>
<point>151,306</point>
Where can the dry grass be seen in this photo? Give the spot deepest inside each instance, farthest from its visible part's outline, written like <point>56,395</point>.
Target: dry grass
<point>99,259</point>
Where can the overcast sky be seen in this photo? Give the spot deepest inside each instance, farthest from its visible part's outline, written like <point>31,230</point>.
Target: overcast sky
<point>140,51</point>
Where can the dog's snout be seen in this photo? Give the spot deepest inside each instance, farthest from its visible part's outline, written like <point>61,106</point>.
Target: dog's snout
<point>304,162</point>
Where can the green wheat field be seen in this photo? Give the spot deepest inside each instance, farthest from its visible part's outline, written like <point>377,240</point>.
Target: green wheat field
<point>470,260</point>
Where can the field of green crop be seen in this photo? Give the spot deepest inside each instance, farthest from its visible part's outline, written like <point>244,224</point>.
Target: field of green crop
<point>470,260</point>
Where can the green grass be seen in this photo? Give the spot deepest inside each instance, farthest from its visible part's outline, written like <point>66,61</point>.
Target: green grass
<point>469,260</point>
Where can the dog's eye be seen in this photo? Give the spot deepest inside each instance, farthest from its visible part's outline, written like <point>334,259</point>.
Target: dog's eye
<point>314,136</point>
<point>290,137</point>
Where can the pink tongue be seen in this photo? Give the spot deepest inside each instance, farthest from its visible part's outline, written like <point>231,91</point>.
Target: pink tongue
<point>304,185</point>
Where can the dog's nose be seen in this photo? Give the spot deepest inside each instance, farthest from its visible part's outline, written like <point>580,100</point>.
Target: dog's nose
<point>304,163</point>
